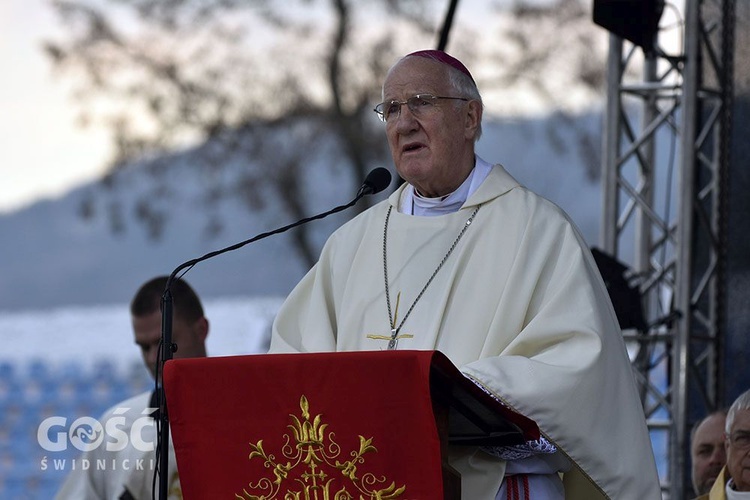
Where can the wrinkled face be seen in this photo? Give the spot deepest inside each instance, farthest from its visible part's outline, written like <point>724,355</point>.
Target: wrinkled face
<point>708,453</point>
<point>738,450</point>
<point>190,338</point>
<point>435,151</point>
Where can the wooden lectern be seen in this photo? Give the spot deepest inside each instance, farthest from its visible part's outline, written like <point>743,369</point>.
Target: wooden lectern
<point>354,424</point>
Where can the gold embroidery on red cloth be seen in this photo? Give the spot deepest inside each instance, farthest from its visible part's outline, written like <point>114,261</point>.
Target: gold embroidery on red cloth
<point>312,470</point>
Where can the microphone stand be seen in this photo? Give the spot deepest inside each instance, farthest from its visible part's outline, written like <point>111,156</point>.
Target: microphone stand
<point>375,182</point>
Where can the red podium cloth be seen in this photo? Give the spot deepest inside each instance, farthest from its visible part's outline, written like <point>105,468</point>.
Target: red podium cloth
<point>313,425</point>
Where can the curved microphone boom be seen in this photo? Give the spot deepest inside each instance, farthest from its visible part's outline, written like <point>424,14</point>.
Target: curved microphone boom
<point>376,181</point>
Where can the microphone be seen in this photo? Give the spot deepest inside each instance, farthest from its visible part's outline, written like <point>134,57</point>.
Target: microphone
<point>376,181</point>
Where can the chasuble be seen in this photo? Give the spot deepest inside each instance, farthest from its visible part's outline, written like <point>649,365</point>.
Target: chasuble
<point>518,305</point>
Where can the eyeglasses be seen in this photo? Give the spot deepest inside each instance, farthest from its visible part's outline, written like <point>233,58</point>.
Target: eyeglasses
<point>419,105</point>
<point>740,440</point>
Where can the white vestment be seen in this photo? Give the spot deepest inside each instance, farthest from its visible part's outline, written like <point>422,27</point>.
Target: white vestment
<point>129,462</point>
<point>519,307</point>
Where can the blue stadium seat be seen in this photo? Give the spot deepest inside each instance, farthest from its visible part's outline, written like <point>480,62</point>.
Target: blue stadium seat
<point>31,393</point>
<point>7,369</point>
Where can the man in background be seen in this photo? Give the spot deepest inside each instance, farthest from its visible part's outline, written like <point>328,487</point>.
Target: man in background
<point>707,452</point>
<point>733,482</point>
<point>119,472</point>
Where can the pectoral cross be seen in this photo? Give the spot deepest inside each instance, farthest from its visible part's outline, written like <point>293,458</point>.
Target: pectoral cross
<point>394,337</point>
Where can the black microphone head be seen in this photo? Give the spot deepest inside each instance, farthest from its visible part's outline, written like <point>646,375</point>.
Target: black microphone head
<point>376,181</point>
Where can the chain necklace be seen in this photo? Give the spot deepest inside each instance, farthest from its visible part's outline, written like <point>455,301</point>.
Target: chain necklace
<point>395,329</point>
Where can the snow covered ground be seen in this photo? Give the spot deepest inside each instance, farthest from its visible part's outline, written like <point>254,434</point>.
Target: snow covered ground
<point>75,362</point>
<point>88,334</point>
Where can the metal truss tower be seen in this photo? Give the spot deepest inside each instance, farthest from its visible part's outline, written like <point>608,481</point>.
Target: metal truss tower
<point>666,143</point>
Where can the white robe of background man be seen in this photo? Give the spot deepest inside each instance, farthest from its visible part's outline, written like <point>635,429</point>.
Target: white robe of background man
<point>519,307</point>
<point>131,468</point>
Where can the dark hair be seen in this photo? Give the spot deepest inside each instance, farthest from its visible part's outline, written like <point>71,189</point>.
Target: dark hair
<point>147,299</point>
<point>720,411</point>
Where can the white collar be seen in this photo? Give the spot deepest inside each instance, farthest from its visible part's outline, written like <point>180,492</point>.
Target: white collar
<point>414,204</point>
<point>733,494</point>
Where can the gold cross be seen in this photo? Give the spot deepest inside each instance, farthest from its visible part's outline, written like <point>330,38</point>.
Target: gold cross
<point>394,337</point>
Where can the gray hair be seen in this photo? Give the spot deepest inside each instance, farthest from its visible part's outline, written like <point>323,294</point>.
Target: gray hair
<point>465,87</point>
<point>741,403</point>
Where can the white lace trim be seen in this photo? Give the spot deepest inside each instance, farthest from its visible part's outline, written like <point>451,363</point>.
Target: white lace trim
<point>518,451</point>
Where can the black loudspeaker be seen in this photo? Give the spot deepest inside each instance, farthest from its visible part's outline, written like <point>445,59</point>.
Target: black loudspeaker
<point>633,20</point>
<point>625,297</point>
